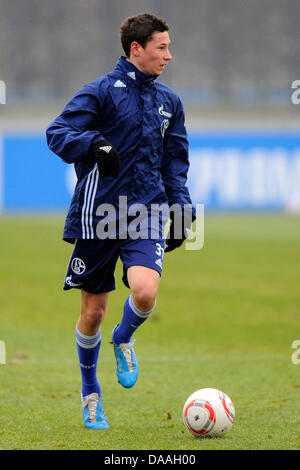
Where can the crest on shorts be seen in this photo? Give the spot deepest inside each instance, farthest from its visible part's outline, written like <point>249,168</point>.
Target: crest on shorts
<point>78,266</point>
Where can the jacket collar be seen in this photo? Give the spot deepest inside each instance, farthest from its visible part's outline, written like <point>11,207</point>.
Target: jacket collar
<point>133,74</point>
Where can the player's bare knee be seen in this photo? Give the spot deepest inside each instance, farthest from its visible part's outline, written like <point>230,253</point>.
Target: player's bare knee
<point>93,320</point>
<point>94,315</point>
<point>144,298</point>
<point>93,309</point>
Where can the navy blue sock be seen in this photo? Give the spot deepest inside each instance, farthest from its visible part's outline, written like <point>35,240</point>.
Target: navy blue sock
<point>88,350</point>
<point>131,320</point>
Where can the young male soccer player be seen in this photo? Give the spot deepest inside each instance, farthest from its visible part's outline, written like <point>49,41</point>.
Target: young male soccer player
<point>125,133</point>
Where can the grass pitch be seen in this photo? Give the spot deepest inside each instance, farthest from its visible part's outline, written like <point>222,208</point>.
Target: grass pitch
<point>226,317</point>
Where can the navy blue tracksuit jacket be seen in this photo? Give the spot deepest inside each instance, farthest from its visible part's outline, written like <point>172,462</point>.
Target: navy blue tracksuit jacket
<point>144,119</point>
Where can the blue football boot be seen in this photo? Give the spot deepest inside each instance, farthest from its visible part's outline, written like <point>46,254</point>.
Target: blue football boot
<point>93,413</point>
<point>127,366</point>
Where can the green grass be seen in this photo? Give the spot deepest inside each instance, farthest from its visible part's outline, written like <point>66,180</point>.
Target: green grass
<point>226,317</point>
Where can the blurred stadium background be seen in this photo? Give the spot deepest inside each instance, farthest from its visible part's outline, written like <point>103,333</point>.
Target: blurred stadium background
<point>234,63</point>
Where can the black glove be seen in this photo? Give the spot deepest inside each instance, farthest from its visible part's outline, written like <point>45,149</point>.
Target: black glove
<point>175,240</point>
<point>107,158</point>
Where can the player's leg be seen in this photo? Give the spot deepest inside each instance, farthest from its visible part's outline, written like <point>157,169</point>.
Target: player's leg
<point>91,269</point>
<point>143,283</point>
<point>142,260</point>
<point>93,311</point>
<point>88,339</point>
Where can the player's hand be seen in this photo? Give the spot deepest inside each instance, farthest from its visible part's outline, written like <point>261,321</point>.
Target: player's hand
<point>175,240</point>
<point>107,158</point>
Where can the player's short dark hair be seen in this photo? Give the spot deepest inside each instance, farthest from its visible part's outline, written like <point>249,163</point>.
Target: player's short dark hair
<point>140,28</point>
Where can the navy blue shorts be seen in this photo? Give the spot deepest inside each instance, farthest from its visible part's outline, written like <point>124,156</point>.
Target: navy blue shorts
<point>92,264</point>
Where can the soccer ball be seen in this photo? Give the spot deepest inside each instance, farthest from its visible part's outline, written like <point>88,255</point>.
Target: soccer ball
<point>208,412</point>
